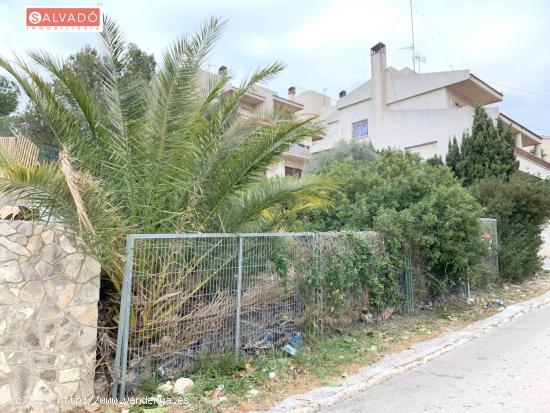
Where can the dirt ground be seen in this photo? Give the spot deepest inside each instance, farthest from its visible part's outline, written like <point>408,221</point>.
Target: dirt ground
<point>395,334</point>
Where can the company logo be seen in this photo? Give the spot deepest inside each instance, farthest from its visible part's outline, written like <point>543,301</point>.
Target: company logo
<point>64,19</point>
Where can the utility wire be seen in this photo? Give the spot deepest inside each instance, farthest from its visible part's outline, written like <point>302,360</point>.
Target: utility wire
<point>522,90</point>
<point>441,35</point>
<point>427,22</point>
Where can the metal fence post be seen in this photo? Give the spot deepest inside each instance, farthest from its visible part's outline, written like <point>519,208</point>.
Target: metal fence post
<point>409,293</point>
<point>495,222</point>
<point>238,301</point>
<point>466,286</point>
<point>121,358</point>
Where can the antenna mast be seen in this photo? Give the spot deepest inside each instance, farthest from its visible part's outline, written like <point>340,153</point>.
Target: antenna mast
<point>412,33</point>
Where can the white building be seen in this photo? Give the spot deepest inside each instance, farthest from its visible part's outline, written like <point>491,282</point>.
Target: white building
<point>263,99</point>
<point>420,112</point>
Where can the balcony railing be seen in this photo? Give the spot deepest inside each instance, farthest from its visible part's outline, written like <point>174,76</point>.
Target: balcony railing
<point>532,164</point>
<point>299,149</point>
<point>535,159</point>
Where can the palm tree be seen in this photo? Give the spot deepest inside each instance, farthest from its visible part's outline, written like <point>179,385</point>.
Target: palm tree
<point>171,155</point>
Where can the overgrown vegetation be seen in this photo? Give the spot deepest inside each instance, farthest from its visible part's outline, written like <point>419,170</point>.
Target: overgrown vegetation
<point>88,65</point>
<point>326,361</point>
<point>344,150</point>
<point>420,206</point>
<point>349,274</point>
<point>486,163</point>
<point>521,206</point>
<point>169,155</point>
<point>486,151</point>
<point>174,156</point>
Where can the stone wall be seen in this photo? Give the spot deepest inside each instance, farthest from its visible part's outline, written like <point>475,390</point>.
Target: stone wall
<point>48,319</point>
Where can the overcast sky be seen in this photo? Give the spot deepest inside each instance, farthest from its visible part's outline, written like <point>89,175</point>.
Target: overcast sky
<point>325,44</point>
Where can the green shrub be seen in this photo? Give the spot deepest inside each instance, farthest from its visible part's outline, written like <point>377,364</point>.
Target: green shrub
<point>422,207</point>
<point>521,206</point>
<point>345,150</point>
<point>488,151</point>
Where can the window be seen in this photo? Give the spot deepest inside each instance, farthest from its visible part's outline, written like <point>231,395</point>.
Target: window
<point>360,129</point>
<point>289,171</point>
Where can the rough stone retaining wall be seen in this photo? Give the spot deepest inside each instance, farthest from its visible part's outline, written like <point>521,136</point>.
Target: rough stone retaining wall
<point>48,319</point>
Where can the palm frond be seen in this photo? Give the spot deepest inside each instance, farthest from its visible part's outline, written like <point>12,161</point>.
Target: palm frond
<point>173,155</point>
<point>76,86</point>
<point>245,209</point>
<point>174,115</point>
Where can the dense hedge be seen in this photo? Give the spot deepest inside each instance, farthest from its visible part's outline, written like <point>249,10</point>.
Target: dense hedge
<point>421,206</point>
<point>521,205</point>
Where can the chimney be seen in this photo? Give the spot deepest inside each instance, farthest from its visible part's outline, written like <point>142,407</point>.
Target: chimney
<point>378,86</point>
<point>342,93</point>
<point>291,92</point>
<point>222,71</point>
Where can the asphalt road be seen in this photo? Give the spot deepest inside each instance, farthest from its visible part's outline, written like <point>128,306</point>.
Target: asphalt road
<point>505,370</point>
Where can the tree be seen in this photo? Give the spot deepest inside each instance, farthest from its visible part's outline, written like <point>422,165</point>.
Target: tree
<point>419,205</point>
<point>521,206</point>
<point>172,156</point>
<point>435,160</point>
<point>9,96</point>
<point>486,151</point>
<point>352,150</point>
<point>88,64</point>
<point>139,65</point>
<point>508,155</point>
<point>453,158</point>
<point>33,126</point>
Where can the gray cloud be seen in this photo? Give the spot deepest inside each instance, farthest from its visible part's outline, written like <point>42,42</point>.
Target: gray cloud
<point>325,43</point>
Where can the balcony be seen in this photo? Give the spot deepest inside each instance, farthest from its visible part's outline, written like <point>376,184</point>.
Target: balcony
<point>532,164</point>
<point>299,150</point>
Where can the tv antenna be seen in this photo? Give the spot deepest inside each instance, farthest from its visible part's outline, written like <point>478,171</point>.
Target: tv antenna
<point>411,47</point>
<point>420,59</point>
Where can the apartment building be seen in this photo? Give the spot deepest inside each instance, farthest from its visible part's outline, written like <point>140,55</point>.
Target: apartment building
<point>419,112</point>
<point>261,98</point>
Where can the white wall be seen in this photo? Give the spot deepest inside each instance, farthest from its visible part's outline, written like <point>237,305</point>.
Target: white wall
<point>426,151</point>
<point>532,168</point>
<point>403,129</point>
<point>277,169</point>
<point>545,250</point>
<point>436,99</point>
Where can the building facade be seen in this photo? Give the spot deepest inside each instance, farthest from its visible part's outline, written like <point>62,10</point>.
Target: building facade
<point>263,99</point>
<point>419,112</point>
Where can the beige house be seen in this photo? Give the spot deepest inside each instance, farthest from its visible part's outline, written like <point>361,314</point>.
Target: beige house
<point>419,112</point>
<point>261,98</point>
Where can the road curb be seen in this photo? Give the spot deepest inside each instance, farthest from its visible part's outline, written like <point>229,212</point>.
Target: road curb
<point>397,363</point>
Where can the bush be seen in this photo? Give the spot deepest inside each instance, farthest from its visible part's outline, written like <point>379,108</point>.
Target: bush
<point>422,207</point>
<point>488,151</point>
<point>521,207</point>
<point>346,274</point>
<point>344,150</point>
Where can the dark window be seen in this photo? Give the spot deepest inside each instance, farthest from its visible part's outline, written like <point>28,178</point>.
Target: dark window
<point>360,129</point>
<point>289,171</point>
